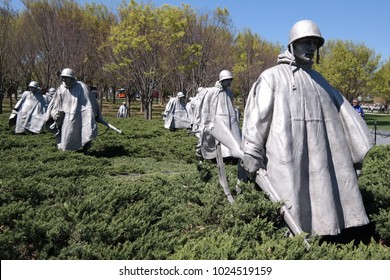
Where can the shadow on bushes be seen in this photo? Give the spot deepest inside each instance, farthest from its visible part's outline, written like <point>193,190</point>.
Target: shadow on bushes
<point>108,151</point>
<point>363,234</point>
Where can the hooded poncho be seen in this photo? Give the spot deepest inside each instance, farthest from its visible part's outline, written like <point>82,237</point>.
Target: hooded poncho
<point>176,114</point>
<point>215,105</point>
<point>81,109</point>
<point>309,138</point>
<point>31,112</point>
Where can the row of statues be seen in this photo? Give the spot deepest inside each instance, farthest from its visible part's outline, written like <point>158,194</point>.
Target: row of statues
<point>70,112</point>
<point>301,139</point>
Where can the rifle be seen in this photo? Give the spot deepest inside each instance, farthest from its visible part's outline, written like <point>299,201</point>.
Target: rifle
<point>222,133</point>
<point>103,122</point>
<point>221,173</point>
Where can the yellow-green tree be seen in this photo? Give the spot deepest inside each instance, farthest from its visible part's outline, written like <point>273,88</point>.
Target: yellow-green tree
<point>143,44</point>
<point>382,83</point>
<point>349,67</point>
<point>252,56</point>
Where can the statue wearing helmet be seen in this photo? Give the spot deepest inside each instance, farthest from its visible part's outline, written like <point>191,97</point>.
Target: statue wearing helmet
<point>34,85</point>
<point>305,29</point>
<point>123,111</point>
<point>68,77</point>
<point>175,115</point>
<point>73,113</point>
<point>28,115</point>
<point>215,105</point>
<point>49,95</point>
<point>225,75</point>
<point>294,121</point>
<point>67,72</point>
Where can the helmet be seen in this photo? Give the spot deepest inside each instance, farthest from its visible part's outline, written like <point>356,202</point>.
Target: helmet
<point>52,90</point>
<point>33,84</point>
<point>225,75</point>
<point>303,29</point>
<point>180,94</point>
<point>67,72</point>
<point>200,89</point>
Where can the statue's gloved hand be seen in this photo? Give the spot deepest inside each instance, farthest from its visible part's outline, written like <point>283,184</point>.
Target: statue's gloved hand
<point>99,118</point>
<point>13,115</point>
<point>59,118</point>
<point>252,164</point>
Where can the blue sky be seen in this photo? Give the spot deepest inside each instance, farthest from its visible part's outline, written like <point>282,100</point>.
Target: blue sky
<point>363,22</point>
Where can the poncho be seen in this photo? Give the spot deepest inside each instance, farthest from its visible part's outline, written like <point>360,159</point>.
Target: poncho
<point>31,112</point>
<point>81,109</point>
<point>176,114</point>
<point>310,138</point>
<point>215,105</point>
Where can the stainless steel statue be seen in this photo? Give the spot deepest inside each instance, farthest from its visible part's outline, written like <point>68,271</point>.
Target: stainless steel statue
<point>175,115</point>
<point>215,104</point>
<point>307,138</point>
<point>73,113</point>
<point>28,115</point>
<point>123,111</point>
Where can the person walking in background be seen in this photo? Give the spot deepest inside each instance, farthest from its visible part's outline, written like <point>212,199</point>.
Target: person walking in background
<point>122,111</point>
<point>28,115</point>
<point>307,138</point>
<point>73,114</point>
<point>357,107</point>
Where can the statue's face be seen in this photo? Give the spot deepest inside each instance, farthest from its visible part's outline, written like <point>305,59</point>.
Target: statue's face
<point>226,83</point>
<point>68,81</point>
<point>33,89</point>
<point>305,48</point>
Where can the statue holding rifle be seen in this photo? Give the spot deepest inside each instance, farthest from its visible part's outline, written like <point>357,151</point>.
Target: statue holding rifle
<point>215,104</point>
<point>73,114</point>
<point>307,139</point>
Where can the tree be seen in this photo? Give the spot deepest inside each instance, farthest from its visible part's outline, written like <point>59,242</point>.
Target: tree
<point>252,56</point>
<point>142,43</point>
<point>55,34</point>
<point>203,53</point>
<point>8,76</point>
<point>382,82</point>
<point>349,67</point>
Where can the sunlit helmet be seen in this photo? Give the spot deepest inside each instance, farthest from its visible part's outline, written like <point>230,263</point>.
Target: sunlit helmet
<point>67,72</point>
<point>225,75</point>
<point>52,90</point>
<point>180,94</point>
<point>303,29</point>
<point>33,84</point>
<point>200,89</point>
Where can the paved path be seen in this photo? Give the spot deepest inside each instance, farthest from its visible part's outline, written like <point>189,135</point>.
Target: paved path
<point>382,138</point>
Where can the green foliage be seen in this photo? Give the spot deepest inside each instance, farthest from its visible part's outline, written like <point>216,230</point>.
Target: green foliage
<point>349,67</point>
<point>143,195</point>
<point>382,78</point>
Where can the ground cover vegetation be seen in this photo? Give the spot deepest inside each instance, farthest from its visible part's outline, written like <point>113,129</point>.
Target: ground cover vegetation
<point>147,50</point>
<point>143,195</point>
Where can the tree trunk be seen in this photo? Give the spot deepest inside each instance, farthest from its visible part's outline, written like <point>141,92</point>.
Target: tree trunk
<point>1,102</point>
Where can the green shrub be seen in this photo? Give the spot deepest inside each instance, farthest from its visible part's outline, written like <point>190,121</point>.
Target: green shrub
<point>144,195</point>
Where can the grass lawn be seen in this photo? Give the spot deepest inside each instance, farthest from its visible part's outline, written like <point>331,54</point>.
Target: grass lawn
<point>382,121</point>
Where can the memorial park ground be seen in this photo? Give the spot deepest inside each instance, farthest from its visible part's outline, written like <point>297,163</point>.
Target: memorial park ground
<point>143,195</point>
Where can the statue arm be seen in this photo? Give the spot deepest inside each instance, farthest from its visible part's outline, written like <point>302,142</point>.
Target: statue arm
<point>256,125</point>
